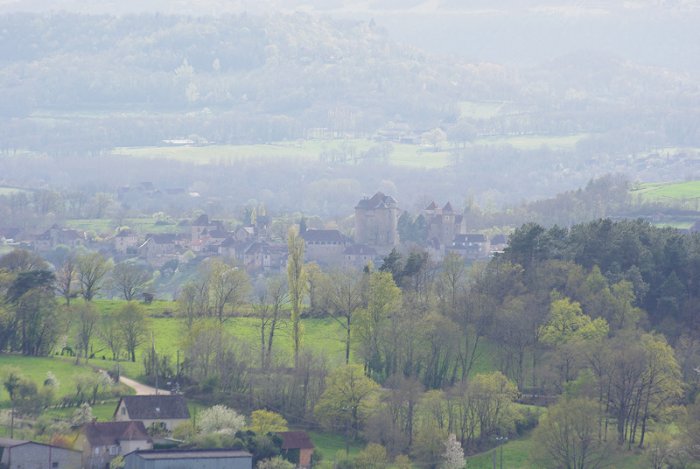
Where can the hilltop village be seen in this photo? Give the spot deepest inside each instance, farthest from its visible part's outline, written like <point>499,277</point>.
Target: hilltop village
<point>378,221</point>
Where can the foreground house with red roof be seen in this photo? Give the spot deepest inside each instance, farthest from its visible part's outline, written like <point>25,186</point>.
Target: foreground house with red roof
<point>104,441</point>
<point>297,446</point>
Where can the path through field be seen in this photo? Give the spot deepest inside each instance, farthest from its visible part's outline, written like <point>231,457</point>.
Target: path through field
<point>140,388</point>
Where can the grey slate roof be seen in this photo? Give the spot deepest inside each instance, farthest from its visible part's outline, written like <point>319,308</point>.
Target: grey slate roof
<point>360,250</point>
<point>11,443</point>
<point>378,200</point>
<point>191,454</point>
<point>155,407</point>
<point>110,433</point>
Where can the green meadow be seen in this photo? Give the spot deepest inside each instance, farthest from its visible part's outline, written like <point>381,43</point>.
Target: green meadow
<point>516,454</point>
<point>403,154</point>
<point>667,192</point>
<point>4,190</point>
<point>322,336</point>
<point>106,226</point>
<point>35,368</point>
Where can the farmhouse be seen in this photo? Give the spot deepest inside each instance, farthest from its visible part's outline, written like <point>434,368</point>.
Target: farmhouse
<point>103,441</point>
<point>162,411</point>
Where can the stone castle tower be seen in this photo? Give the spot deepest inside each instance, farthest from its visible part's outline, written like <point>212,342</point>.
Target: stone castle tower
<point>376,221</point>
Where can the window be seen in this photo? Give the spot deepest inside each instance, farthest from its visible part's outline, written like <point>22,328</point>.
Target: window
<point>123,410</point>
<point>54,464</point>
<point>113,450</point>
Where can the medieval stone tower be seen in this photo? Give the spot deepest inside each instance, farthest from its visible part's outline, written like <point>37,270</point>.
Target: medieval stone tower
<point>376,221</point>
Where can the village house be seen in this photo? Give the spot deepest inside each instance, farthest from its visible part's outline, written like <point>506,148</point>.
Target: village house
<point>24,454</point>
<point>126,241</point>
<point>297,446</point>
<point>56,236</point>
<point>201,227</point>
<point>470,246</point>
<point>161,412</point>
<point>376,222</point>
<point>498,243</point>
<point>104,441</point>
<point>325,246</point>
<point>159,248</point>
<point>443,224</point>
<point>188,459</point>
<point>357,256</point>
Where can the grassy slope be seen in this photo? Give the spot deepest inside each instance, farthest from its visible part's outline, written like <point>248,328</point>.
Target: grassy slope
<point>516,453</point>
<point>106,225</point>
<point>322,336</point>
<point>329,444</point>
<point>409,155</point>
<point>665,192</point>
<point>35,368</point>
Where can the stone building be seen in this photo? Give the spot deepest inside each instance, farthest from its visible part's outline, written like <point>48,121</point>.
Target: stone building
<point>376,221</point>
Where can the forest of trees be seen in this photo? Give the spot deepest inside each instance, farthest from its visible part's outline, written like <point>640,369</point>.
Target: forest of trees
<point>601,318</point>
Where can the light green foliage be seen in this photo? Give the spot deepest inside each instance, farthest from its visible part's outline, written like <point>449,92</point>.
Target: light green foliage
<point>117,463</point>
<point>691,430</point>
<point>402,462</point>
<point>568,323</point>
<point>134,327</point>
<point>220,419</point>
<point>92,269</point>
<point>228,288</point>
<point>384,298</point>
<point>430,429</point>
<point>568,436</point>
<point>661,450</point>
<point>274,463</point>
<point>296,280</point>
<point>82,415</point>
<point>184,431</point>
<point>347,401</point>
<point>372,457</point>
<point>265,421</point>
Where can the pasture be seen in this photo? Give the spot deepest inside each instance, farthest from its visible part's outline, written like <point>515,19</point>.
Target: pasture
<point>109,226</point>
<point>402,154</point>
<point>35,368</point>
<point>322,336</point>
<point>659,192</point>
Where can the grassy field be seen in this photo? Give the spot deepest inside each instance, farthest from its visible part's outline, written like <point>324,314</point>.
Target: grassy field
<point>4,190</point>
<point>329,445</point>
<point>108,226</point>
<point>322,336</point>
<point>36,368</point>
<point>407,155</point>
<point>516,454</point>
<point>667,192</point>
